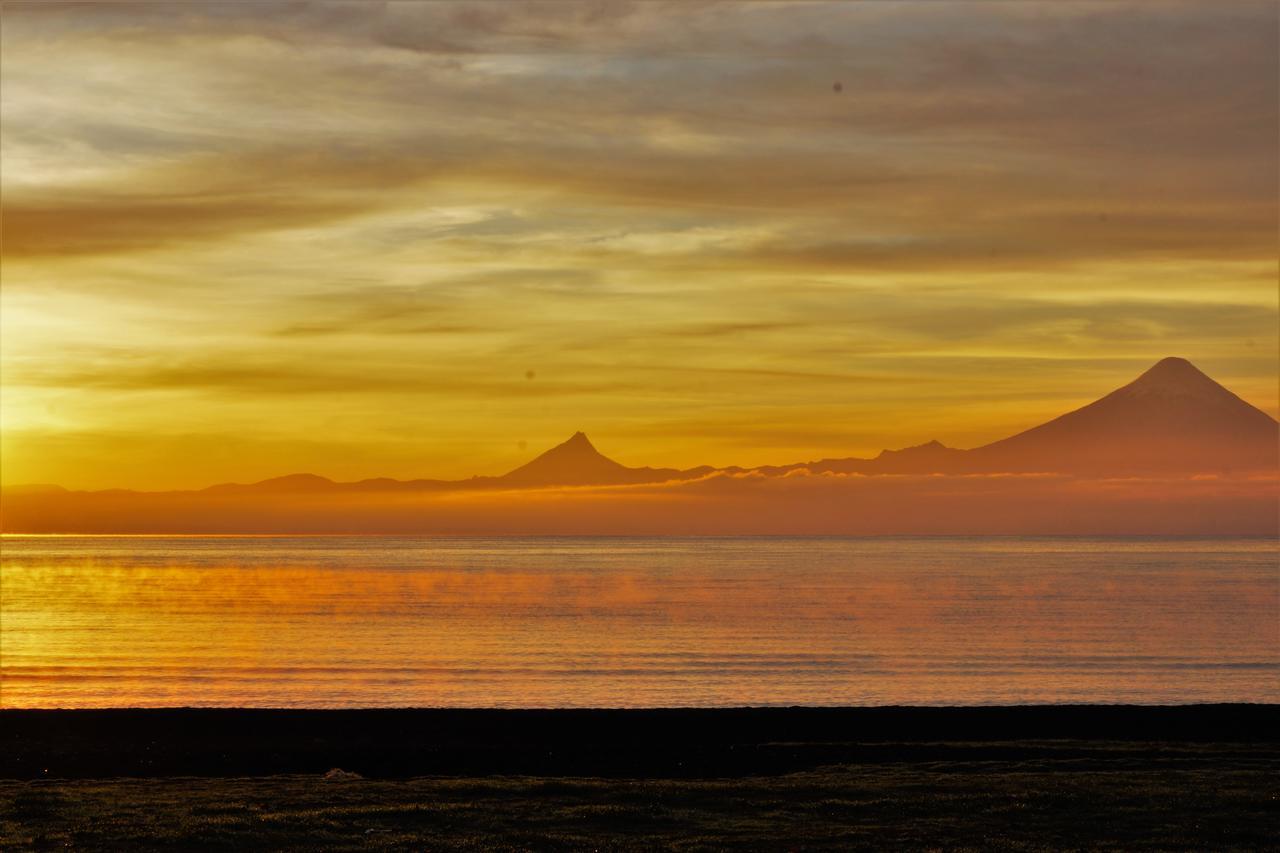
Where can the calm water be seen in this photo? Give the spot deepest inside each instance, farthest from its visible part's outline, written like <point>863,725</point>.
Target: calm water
<point>322,622</point>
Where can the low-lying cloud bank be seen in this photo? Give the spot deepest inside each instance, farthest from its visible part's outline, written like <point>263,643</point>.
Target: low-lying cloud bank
<point>800,503</point>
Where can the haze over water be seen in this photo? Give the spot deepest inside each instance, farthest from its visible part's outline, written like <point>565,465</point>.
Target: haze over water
<point>368,621</point>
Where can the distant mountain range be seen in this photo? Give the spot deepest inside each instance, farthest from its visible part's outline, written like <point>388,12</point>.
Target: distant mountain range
<point>1171,420</point>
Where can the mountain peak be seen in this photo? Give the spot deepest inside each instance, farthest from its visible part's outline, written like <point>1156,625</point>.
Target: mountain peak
<point>928,448</point>
<point>579,441</point>
<point>1171,418</point>
<point>1173,362</point>
<point>572,462</point>
<point>576,446</point>
<point>1174,370</point>
<point>287,483</point>
<point>1170,377</point>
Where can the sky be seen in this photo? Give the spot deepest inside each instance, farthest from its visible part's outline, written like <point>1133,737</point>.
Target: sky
<point>417,239</point>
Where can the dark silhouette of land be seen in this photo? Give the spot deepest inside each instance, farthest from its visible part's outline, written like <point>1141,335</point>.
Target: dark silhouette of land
<point>663,742</point>
<point>1173,419</point>
<point>1193,777</point>
<point>576,462</point>
<point>1172,422</point>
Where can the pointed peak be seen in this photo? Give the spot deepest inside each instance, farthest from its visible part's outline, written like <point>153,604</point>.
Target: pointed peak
<point>579,439</point>
<point>572,461</point>
<point>577,444</point>
<point>928,447</point>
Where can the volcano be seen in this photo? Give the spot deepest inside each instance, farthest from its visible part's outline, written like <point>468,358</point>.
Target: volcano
<point>1171,419</point>
<point>576,462</point>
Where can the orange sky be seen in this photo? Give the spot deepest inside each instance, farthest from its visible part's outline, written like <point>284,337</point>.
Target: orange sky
<point>432,239</point>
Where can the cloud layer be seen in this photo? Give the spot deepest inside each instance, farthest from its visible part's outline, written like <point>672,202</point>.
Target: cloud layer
<point>421,233</point>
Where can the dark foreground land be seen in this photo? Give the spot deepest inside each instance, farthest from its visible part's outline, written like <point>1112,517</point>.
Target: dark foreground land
<point>1199,777</point>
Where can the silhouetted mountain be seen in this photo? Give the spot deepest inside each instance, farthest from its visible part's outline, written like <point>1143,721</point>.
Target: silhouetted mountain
<point>291,483</point>
<point>929,458</point>
<point>1172,418</point>
<point>573,462</point>
<point>576,462</point>
<point>920,459</point>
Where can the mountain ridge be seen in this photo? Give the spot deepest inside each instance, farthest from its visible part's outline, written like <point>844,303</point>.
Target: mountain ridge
<point>1173,418</point>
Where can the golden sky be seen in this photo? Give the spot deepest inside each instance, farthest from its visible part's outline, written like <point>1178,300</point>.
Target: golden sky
<point>432,239</point>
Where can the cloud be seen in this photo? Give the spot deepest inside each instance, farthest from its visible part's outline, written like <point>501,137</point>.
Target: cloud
<point>1060,135</point>
<point>250,376</point>
<point>282,215</point>
<point>102,225</point>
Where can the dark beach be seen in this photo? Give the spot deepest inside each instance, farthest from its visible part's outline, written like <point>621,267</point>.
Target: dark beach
<point>1019,777</point>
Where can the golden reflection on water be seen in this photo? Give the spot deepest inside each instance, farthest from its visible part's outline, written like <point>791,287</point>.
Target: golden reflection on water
<point>111,621</point>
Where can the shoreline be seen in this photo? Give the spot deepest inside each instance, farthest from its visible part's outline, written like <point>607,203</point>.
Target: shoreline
<point>1187,777</point>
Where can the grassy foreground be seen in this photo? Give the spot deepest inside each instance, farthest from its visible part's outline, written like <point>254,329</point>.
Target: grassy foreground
<point>1068,795</point>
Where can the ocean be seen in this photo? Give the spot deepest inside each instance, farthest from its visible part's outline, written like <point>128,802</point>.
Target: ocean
<point>346,622</point>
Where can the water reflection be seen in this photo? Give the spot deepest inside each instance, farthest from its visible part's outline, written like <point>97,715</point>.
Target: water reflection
<point>316,621</point>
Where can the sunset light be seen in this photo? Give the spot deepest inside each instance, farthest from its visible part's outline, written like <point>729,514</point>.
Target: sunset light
<point>639,425</point>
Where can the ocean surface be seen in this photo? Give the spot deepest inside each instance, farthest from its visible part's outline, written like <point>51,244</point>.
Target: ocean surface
<point>389,621</point>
